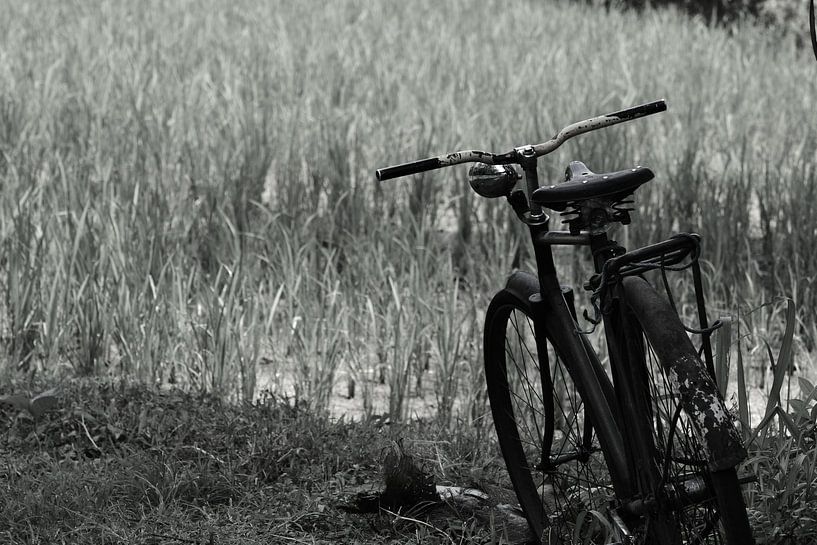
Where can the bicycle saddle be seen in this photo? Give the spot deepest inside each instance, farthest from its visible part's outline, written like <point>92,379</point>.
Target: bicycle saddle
<point>581,184</point>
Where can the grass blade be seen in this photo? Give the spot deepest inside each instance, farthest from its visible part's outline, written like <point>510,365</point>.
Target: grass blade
<point>784,359</point>
<point>743,403</point>
<point>722,355</point>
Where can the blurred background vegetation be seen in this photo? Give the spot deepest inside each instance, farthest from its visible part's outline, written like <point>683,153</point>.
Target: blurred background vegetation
<point>188,192</point>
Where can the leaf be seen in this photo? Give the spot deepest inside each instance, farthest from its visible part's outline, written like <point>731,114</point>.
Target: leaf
<point>784,359</point>
<point>760,427</point>
<point>41,403</point>
<point>798,407</point>
<point>811,27</point>
<point>18,401</point>
<point>807,391</point>
<point>394,293</point>
<point>785,419</point>
<point>789,423</point>
<point>143,427</point>
<point>116,433</point>
<point>722,357</point>
<point>743,398</point>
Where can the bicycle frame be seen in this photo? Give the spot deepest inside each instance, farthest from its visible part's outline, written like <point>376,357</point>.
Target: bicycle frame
<point>555,317</point>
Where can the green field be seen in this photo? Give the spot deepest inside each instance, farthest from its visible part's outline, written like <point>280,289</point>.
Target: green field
<point>188,193</point>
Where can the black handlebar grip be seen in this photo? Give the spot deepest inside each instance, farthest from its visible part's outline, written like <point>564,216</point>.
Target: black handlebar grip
<point>405,169</point>
<point>640,111</point>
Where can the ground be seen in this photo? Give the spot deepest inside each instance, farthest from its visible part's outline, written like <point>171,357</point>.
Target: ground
<point>125,464</point>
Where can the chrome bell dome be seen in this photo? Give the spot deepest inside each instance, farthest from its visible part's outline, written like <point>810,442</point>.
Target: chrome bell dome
<point>492,180</point>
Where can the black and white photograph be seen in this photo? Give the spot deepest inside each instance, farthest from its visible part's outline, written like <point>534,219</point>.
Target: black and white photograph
<point>404,272</point>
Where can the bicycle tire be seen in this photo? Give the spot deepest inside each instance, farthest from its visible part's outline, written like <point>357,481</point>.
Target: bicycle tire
<point>706,504</point>
<point>552,491</point>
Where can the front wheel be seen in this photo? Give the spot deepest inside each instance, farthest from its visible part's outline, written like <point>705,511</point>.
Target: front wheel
<point>550,449</point>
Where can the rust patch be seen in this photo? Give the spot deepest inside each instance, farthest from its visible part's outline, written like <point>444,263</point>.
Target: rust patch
<point>700,399</point>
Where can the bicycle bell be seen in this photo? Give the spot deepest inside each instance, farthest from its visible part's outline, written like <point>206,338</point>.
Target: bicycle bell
<point>492,180</point>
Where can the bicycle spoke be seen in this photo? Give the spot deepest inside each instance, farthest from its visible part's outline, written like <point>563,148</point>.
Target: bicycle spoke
<point>534,397</point>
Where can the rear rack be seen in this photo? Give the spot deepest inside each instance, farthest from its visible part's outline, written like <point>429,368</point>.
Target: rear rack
<point>666,254</point>
<point>671,255</point>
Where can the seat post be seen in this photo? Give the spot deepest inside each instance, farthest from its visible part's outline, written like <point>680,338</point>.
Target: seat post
<point>603,249</point>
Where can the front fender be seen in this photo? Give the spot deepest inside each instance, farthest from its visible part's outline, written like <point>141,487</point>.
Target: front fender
<point>522,284</point>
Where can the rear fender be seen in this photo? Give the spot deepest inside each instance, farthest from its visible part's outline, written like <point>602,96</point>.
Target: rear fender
<point>699,393</point>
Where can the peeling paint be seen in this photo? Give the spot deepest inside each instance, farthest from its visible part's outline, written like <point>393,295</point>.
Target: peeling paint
<point>701,400</point>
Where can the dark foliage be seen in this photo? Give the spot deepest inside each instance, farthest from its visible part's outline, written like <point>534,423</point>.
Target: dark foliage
<point>407,485</point>
<point>123,459</point>
<point>712,10</point>
<point>777,13</point>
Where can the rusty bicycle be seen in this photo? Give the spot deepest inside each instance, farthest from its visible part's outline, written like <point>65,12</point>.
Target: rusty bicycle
<point>641,449</point>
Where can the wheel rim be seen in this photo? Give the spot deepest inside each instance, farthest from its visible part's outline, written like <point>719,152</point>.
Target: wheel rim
<point>572,485</point>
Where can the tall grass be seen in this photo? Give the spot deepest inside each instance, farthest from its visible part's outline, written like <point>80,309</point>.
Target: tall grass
<point>187,186</point>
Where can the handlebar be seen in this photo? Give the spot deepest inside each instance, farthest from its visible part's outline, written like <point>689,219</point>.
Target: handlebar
<point>524,152</point>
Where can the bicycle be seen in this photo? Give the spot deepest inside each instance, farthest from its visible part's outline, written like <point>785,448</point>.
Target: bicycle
<point>643,451</point>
